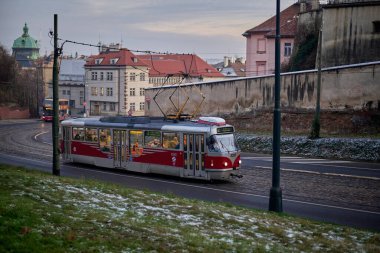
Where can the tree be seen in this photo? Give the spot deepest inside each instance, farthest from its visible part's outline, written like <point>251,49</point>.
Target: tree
<point>17,86</point>
<point>305,49</point>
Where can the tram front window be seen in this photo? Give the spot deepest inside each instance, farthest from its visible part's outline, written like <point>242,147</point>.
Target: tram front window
<point>222,143</point>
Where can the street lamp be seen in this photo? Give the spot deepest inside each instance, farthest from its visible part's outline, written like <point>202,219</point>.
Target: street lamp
<point>84,101</point>
<point>275,199</point>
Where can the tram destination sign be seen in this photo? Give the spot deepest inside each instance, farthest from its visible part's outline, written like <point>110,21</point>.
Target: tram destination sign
<point>225,130</point>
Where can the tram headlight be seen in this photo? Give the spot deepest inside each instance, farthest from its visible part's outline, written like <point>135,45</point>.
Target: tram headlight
<point>225,164</point>
<point>239,162</point>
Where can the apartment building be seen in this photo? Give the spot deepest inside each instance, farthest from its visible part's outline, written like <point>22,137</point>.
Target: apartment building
<point>115,80</point>
<point>261,42</point>
<point>179,68</point>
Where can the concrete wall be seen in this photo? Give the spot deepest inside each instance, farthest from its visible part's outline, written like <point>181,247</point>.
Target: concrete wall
<point>349,34</point>
<point>13,112</point>
<point>343,88</point>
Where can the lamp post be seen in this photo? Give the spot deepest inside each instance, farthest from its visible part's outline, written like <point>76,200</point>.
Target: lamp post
<point>84,95</point>
<point>56,165</point>
<point>84,102</point>
<point>275,199</point>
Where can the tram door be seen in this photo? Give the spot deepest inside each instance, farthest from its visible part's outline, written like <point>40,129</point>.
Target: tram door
<point>194,153</point>
<point>120,148</point>
<point>66,137</point>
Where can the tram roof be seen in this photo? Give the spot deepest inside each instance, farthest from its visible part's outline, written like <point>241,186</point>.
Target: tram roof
<point>143,123</point>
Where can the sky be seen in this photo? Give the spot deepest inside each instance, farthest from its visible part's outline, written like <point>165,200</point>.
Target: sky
<point>211,29</point>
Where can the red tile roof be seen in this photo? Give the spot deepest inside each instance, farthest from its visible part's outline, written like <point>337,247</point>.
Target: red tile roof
<point>288,23</point>
<point>126,58</point>
<point>178,65</point>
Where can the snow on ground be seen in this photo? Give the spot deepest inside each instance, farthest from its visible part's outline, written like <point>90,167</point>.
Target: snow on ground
<point>215,223</point>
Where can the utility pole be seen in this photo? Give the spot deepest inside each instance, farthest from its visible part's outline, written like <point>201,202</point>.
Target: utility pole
<point>275,198</point>
<point>37,95</point>
<point>56,165</point>
<point>316,125</point>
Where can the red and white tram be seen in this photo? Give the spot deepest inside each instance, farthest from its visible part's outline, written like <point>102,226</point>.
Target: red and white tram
<point>203,148</point>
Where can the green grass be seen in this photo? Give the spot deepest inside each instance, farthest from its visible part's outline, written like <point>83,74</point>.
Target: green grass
<point>43,213</point>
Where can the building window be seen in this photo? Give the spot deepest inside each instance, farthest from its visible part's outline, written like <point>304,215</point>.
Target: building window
<point>68,92</point>
<point>112,107</point>
<point>142,76</point>
<point>101,91</point>
<point>142,92</point>
<point>261,46</point>
<point>104,106</point>
<point>376,26</point>
<point>101,76</point>
<point>114,61</point>
<point>132,92</point>
<point>63,92</point>
<point>132,77</point>
<point>94,75</point>
<point>94,91</point>
<point>261,68</point>
<point>141,106</point>
<point>81,97</point>
<point>132,107</point>
<point>109,76</point>
<point>287,49</point>
<point>109,92</point>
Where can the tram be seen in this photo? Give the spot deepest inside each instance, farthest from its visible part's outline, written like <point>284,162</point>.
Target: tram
<point>47,109</point>
<point>204,148</point>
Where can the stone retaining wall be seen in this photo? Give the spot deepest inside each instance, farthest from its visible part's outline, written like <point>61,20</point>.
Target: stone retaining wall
<point>333,148</point>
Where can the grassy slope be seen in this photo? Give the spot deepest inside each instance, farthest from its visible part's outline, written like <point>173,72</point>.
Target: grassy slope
<point>42,213</point>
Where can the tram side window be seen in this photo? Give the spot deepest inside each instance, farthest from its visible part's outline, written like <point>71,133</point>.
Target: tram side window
<point>170,140</point>
<point>105,140</point>
<point>78,133</point>
<point>136,142</point>
<point>92,134</point>
<point>152,139</point>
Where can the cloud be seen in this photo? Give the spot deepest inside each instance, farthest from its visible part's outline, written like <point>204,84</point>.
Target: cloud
<point>203,26</point>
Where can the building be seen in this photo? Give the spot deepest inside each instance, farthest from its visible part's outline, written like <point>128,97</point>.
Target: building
<point>260,49</point>
<point>178,68</point>
<point>115,80</point>
<point>351,32</point>
<point>231,67</point>
<point>71,84</point>
<point>25,49</point>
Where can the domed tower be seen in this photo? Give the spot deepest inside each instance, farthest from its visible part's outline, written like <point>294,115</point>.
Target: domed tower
<point>25,49</point>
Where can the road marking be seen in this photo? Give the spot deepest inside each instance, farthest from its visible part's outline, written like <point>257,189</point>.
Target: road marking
<point>321,173</point>
<point>35,137</point>
<point>297,160</point>
<point>324,162</point>
<point>350,167</point>
<point>204,187</point>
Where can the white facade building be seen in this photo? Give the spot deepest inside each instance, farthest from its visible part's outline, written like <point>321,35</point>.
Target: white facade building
<point>115,82</point>
<point>71,84</point>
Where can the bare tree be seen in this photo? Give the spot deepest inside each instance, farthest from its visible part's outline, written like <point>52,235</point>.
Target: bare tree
<point>18,86</point>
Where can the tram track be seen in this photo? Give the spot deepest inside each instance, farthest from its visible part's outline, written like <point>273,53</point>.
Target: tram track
<point>20,140</point>
<point>357,193</point>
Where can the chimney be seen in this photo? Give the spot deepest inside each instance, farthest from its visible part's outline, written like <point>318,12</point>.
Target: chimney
<point>314,4</point>
<point>226,61</point>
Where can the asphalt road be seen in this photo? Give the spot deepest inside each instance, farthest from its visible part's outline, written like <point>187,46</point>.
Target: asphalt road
<point>316,165</point>
<point>342,192</point>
